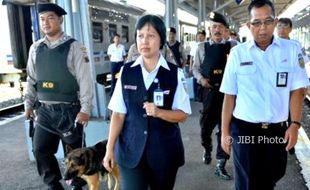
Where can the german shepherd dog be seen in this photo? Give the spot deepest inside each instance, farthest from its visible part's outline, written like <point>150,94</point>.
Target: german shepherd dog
<point>87,164</point>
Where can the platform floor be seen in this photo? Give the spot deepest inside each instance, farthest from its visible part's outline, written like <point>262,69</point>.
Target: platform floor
<point>19,173</point>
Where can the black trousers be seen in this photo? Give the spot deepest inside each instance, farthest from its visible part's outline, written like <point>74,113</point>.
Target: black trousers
<point>259,155</point>
<point>144,177</point>
<point>210,117</point>
<point>51,124</point>
<point>115,68</point>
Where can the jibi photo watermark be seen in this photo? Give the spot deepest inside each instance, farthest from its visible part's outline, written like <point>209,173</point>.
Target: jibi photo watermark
<point>256,140</point>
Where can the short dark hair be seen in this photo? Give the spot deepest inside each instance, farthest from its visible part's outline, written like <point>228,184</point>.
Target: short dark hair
<point>286,21</point>
<point>156,23</point>
<point>203,32</point>
<point>116,34</point>
<point>261,3</point>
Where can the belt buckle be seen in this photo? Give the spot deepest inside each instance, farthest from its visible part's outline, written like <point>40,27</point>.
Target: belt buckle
<point>265,125</point>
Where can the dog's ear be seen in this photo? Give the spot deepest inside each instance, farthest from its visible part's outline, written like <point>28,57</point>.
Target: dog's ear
<point>82,158</point>
<point>68,149</point>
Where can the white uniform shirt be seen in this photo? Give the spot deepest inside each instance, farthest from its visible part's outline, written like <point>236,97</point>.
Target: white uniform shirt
<point>181,97</point>
<point>117,53</point>
<point>251,75</point>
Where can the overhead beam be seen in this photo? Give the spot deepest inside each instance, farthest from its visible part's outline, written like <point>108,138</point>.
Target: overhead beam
<point>223,5</point>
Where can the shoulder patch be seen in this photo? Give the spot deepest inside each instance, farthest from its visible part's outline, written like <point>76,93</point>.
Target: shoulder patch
<point>84,49</point>
<point>301,61</point>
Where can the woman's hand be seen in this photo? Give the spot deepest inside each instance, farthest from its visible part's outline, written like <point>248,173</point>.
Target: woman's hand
<point>108,161</point>
<point>150,109</point>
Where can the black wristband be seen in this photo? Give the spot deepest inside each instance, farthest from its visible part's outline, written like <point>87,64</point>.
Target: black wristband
<point>296,122</point>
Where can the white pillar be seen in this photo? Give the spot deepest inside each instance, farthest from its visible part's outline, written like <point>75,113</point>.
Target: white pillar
<point>201,14</point>
<point>171,15</point>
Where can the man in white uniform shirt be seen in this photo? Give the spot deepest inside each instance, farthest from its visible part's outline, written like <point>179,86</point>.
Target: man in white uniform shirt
<point>284,28</point>
<point>117,54</point>
<point>263,81</point>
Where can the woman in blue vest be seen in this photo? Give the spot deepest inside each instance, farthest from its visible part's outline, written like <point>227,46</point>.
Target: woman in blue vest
<point>147,104</point>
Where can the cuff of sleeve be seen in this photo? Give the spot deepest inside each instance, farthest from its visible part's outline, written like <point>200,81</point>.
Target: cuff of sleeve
<point>27,105</point>
<point>85,110</point>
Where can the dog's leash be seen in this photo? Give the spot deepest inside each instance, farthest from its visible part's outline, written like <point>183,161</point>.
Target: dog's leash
<point>83,135</point>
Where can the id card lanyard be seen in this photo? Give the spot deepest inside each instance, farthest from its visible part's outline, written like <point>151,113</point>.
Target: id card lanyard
<point>158,95</point>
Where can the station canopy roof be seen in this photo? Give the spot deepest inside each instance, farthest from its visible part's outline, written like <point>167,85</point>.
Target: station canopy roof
<point>237,14</point>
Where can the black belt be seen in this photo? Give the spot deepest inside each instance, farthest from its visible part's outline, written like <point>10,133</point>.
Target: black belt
<point>263,125</point>
<point>57,105</point>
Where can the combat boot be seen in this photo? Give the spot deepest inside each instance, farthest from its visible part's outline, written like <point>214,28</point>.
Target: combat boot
<point>206,158</point>
<point>55,186</point>
<point>221,171</point>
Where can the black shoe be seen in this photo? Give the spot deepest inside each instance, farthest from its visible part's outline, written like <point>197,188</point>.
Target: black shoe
<point>206,158</point>
<point>292,151</point>
<point>76,188</point>
<point>55,186</point>
<point>220,170</point>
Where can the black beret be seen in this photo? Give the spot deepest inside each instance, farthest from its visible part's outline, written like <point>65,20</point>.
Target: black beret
<point>51,7</point>
<point>217,17</point>
<point>171,29</point>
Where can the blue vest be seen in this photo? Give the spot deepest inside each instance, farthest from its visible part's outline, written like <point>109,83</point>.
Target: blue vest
<point>158,140</point>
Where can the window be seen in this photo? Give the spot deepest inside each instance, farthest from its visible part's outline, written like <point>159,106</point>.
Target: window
<point>125,34</point>
<point>112,31</point>
<point>97,32</point>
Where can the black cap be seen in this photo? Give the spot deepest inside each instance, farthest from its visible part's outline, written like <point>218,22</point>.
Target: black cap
<point>217,17</point>
<point>171,29</point>
<point>51,7</point>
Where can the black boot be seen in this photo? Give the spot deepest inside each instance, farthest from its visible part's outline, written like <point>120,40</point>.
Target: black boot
<point>206,158</point>
<point>55,186</point>
<point>292,151</point>
<point>221,171</point>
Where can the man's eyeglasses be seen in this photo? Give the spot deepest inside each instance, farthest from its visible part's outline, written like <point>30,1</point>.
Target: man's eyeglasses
<point>258,23</point>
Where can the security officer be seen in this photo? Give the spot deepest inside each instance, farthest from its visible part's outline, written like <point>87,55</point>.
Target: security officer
<point>208,69</point>
<point>176,48</point>
<point>59,80</point>
<point>148,102</point>
<point>263,81</point>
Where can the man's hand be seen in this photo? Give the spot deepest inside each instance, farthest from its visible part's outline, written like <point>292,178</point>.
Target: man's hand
<point>291,135</point>
<point>226,141</point>
<point>82,118</point>
<point>205,83</point>
<point>29,113</point>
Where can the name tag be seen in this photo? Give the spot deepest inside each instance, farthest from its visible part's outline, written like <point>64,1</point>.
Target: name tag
<point>158,97</point>
<point>246,63</point>
<point>282,79</point>
<point>130,87</point>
